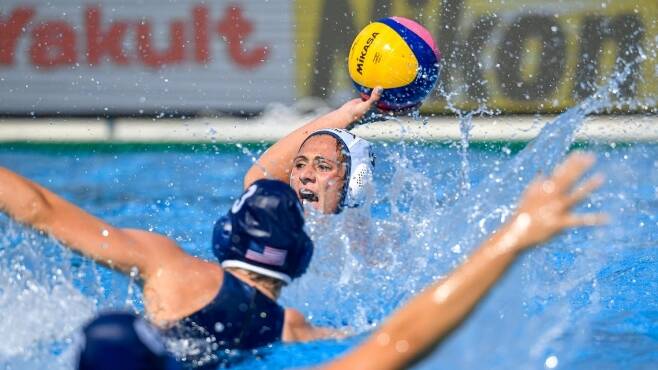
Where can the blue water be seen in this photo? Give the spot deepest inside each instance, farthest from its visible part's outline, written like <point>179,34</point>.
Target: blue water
<point>586,300</point>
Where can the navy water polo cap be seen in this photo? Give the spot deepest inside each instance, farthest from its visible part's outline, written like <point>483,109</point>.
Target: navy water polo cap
<point>264,232</point>
<point>360,164</point>
<point>123,341</point>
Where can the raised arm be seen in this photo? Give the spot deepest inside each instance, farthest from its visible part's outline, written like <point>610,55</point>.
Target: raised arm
<point>122,249</point>
<point>543,211</point>
<point>276,162</point>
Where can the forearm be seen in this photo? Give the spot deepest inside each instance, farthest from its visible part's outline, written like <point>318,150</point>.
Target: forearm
<point>33,205</point>
<point>428,317</point>
<point>276,162</point>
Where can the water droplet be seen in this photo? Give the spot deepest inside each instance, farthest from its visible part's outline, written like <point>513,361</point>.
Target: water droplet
<point>402,346</point>
<point>383,339</point>
<point>551,362</point>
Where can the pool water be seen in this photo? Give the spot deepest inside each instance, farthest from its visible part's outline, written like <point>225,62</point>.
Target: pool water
<point>586,300</point>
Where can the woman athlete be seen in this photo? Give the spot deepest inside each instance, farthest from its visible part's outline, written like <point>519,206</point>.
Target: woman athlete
<point>179,287</point>
<point>325,165</point>
<point>260,243</point>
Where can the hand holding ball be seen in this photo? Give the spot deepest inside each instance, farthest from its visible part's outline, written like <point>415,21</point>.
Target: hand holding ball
<point>399,55</point>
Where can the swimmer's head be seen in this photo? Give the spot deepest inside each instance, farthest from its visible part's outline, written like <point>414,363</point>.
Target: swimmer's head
<point>123,341</point>
<point>263,232</point>
<point>331,169</point>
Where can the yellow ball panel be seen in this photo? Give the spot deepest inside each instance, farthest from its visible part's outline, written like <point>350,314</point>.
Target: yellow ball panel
<point>380,57</point>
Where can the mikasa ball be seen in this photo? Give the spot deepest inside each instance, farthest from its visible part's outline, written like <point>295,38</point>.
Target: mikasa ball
<point>399,55</point>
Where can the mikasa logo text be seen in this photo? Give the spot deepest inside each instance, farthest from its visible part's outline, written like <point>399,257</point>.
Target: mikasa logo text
<point>361,59</point>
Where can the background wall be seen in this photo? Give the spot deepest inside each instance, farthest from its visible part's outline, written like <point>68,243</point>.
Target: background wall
<point>148,56</point>
<point>151,57</point>
<point>516,55</point>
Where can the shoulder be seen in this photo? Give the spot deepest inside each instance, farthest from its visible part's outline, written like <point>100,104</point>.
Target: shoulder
<point>295,326</point>
<point>294,319</point>
<point>297,329</point>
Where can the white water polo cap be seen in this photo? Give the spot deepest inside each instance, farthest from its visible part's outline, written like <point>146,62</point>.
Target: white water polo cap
<point>360,164</point>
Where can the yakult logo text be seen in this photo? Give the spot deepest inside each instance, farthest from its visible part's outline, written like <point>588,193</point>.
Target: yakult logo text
<point>94,41</point>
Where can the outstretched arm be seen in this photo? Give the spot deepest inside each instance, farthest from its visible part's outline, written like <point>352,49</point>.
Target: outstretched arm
<point>276,162</point>
<point>543,211</point>
<point>122,249</point>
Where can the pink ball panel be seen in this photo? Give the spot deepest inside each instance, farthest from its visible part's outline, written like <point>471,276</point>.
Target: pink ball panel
<point>420,31</point>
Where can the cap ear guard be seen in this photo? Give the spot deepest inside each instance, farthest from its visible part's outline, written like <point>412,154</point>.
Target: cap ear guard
<point>221,234</point>
<point>303,258</point>
<point>361,175</point>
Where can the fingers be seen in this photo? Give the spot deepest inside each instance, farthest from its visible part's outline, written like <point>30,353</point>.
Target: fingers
<point>375,95</point>
<point>571,170</point>
<point>585,219</point>
<point>536,186</point>
<point>584,190</point>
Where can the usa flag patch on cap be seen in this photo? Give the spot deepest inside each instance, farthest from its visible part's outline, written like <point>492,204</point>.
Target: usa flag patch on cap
<point>270,256</point>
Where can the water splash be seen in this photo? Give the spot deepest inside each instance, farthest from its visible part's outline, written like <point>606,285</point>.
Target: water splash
<point>368,261</point>
<point>41,308</point>
<point>421,237</point>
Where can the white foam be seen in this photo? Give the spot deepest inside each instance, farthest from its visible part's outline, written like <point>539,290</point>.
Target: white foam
<point>40,309</point>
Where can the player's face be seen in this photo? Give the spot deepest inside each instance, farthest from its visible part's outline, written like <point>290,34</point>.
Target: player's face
<point>318,173</point>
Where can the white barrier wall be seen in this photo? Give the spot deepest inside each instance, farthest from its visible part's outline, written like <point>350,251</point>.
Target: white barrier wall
<point>119,56</point>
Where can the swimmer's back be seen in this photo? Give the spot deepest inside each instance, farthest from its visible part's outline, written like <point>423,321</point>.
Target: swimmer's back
<point>239,317</point>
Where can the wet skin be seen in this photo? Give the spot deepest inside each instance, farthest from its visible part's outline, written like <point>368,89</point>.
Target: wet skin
<point>318,173</point>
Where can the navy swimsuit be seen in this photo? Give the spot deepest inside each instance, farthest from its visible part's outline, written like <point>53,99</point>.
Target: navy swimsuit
<point>239,317</point>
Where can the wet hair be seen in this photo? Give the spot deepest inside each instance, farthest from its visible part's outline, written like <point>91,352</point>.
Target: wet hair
<point>343,154</point>
<point>343,157</point>
<point>269,283</point>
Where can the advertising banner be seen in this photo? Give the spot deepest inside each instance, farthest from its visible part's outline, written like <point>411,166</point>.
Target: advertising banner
<point>521,56</point>
<point>149,56</point>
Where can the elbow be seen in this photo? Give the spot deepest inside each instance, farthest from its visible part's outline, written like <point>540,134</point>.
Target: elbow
<point>252,176</point>
<point>36,210</point>
<point>247,180</point>
<point>22,200</point>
